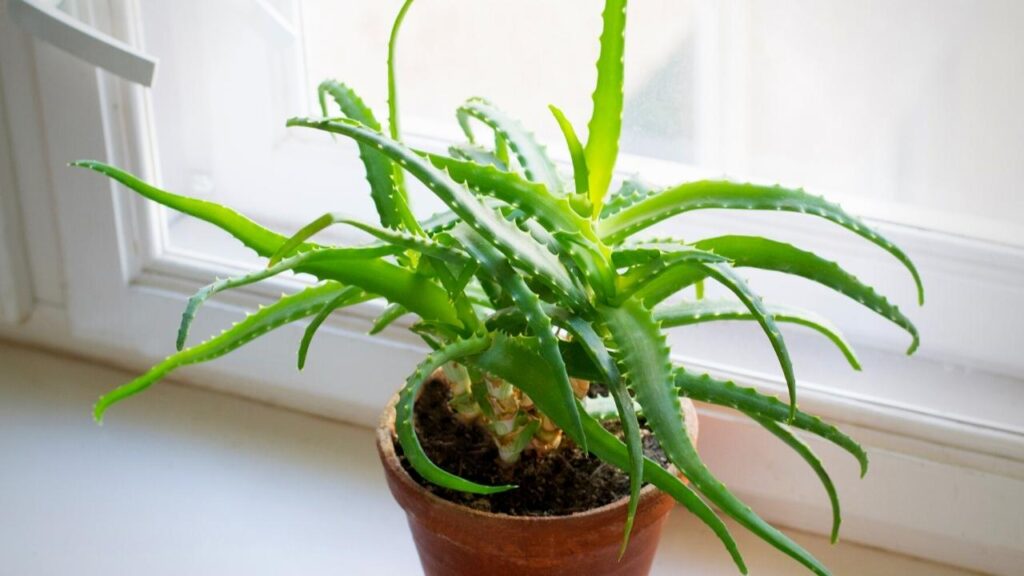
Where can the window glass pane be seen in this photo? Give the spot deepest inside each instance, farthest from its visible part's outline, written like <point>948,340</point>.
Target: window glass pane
<point>907,108</point>
<point>913,101</point>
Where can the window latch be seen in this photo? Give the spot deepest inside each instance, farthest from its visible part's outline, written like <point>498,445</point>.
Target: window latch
<point>53,26</point>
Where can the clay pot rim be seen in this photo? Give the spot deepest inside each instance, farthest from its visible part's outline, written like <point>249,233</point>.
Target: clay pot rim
<point>386,438</point>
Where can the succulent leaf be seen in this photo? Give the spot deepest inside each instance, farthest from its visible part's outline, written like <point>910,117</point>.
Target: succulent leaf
<point>591,342</point>
<point>606,119</point>
<point>286,310</point>
<point>731,280</point>
<point>581,175</point>
<point>503,235</point>
<point>394,238</point>
<point>531,156</point>
<point>631,191</point>
<point>687,313</point>
<point>255,237</point>
<point>347,297</point>
<point>707,194</point>
<point>645,357</point>
<point>388,196</point>
<point>478,155</point>
<point>405,425</point>
<point>390,314</point>
<point>517,360</point>
<point>767,254</point>
<point>805,452</point>
<point>496,266</point>
<point>704,388</point>
<point>204,293</point>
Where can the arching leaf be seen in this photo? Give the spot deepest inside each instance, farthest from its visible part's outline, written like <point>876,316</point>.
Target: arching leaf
<point>532,157</point>
<point>707,194</point>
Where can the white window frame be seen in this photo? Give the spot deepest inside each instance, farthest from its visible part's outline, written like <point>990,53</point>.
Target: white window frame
<point>940,484</point>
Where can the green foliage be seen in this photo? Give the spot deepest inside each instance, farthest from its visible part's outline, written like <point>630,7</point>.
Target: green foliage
<point>528,285</point>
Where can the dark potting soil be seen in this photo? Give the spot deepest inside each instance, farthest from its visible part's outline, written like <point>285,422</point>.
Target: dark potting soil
<point>561,482</point>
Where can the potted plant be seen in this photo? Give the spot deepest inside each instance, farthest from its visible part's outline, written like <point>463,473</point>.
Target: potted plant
<point>546,320</point>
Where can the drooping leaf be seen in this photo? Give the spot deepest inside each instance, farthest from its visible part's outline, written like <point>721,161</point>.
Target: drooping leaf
<point>604,408</point>
<point>591,342</point>
<point>517,360</point>
<point>512,242</point>
<point>379,277</point>
<point>767,254</point>
<point>391,313</point>
<point>531,156</point>
<point>731,280</point>
<point>347,297</point>
<point>687,313</point>
<point>259,239</point>
<point>606,119</point>
<point>805,452</point>
<point>651,262</point>
<point>645,357</point>
<point>405,425</point>
<point>388,196</point>
<point>707,194</point>
<point>704,388</point>
<point>204,293</point>
<point>286,310</point>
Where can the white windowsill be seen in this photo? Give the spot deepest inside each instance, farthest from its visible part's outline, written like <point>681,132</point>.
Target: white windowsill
<point>182,480</point>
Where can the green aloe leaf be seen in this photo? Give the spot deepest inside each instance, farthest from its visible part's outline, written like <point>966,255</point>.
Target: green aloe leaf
<point>707,194</point>
<point>379,277</point>
<point>731,280</point>
<point>497,267</point>
<point>591,342</point>
<point>517,360</point>
<point>347,297</point>
<point>606,119</point>
<point>405,425</point>
<point>604,408</point>
<point>512,242</point>
<point>204,293</point>
<point>395,238</point>
<point>645,357</point>
<point>630,192</point>
<point>477,155</point>
<point>391,313</point>
<point>284,311</point>
<point>687,313</point>
<point>259,239</point>
<point>394,128</point>
<point>388,196</point>
<point>650,263</point>
<point>767,254</point>
<point>581,174</point>
<point>531,156</point>
<point>554,212</point>
<point>704,388</point>
<point>805,452</point>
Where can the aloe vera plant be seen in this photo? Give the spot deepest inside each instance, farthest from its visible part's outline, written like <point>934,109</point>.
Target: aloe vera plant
<point>532,285</point>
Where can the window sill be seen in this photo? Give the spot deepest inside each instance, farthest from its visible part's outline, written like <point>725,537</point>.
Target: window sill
<point>182,480</point>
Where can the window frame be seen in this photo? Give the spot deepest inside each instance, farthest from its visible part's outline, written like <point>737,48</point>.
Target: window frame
<point>123,292</point>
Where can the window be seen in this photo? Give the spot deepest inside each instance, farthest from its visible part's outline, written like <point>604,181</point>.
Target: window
<point>904,111</point>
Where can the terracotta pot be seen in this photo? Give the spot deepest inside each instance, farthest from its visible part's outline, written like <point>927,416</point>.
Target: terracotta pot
<point>454,540</point>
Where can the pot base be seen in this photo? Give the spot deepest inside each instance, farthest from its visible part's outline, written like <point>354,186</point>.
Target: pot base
<point>454,540</point>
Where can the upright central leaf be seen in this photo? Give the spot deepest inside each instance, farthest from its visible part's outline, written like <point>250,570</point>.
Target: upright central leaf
<point>606,120</point>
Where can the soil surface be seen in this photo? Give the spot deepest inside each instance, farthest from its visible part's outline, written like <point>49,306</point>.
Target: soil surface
<point>561,482</point>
